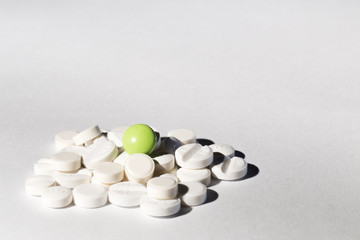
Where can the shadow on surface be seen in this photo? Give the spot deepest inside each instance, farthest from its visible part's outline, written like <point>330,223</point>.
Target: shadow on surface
<point>239,154</point>
<point>211,196</point>
<point>204,141</point>
<point>252,171</point>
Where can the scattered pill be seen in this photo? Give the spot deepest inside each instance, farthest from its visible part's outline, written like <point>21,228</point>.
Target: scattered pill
<point>185,136</point>
<point>164,163</point>
<point>56,197</point>
<point>126,194</point>
<point>194,156</point>
<point>35,185</point>
<point>224,149</point>
<point>139,168</point>
<point>159,208</point>
<point>66,161</point>
<point>194,175</point>
<point>139,138</point>
<point>102,150</point>
<point>192,193</point>
<point>90,195</point>
<point>87,135</point>
<point>162,188</point>
<point>64,139</point>
<point>108,172</point>
<point>230,169</point>
<point>71,180</point>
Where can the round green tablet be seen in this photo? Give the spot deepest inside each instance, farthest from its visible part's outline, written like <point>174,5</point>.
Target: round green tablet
<point>139,138</point>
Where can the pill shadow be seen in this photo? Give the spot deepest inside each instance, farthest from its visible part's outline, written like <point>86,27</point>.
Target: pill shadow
<point>204,141</point>
<point>211,196</point>
<point>252,171</point>
<point>239,154</point>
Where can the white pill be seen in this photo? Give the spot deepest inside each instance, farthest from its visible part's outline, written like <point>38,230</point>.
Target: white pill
<point>192,193</point>
<point>116,136</point>
<point>194,175</point>
<point>126,194</point>
<point>71,180</point>
<point>139,168</point>
<point>159,208</point>
<point>56,197</point>
<point>194,156</point>
<point>102,184</point>
<point>230,169</point>
<point>35,185</point>
<point>85,171</point>
<point>90,195</point>
<point>169,145</point>
<point>170,175</point>
<point>66,161</point>
<point>162,188</point>
<point>164,163</point>
<point>224,149</point>
<point>102,150</point>
<point>185,136</point>
<point>43,167</point>
<point>108,172</point>
<point>122,158</point>
<point>87,135</point>
<point>76,149</point>
<point>64,139</point>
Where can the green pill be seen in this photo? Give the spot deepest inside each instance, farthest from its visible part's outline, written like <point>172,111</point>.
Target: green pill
<point>139,138</point>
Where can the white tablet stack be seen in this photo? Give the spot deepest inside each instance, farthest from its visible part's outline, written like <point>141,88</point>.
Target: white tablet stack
<point>92,168</point>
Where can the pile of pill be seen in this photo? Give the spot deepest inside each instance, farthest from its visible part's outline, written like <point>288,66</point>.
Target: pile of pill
<point>130,167</point>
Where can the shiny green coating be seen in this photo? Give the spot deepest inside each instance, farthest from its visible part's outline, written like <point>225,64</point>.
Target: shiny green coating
<point>139,138</point>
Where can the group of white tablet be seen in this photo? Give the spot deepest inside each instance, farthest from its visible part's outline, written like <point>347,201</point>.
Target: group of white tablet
<point>89,171</point>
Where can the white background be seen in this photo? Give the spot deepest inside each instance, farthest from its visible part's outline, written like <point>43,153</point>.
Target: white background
<point>278,80</point>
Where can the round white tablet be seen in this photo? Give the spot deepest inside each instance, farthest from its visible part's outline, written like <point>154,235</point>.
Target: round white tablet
<point>116,136</point>
<point>87,135</point>
<point>90,195</point>
<point>164,163</point>
<point>56,197</point>
<point>159,208</point>
<point>35,185</point>
<point>185,136</point>
<point>224,149</point>
<point>192,193</point>
<point>122,158</point>
<point>66,161</point>
<point>194,156</point>
<point>64,139</point>
<point>194,175</point>
<point>108,172</point>
<point>139,168</point>
<point>230,169</point>
<point>170,175</point>
<point>85,171</point>
<point>162,188</point>
<point>126,194</point>
<point>102,150</point>
<point>71,180</point>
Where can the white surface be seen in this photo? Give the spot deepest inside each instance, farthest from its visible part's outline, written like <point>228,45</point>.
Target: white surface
<point>277,80</point>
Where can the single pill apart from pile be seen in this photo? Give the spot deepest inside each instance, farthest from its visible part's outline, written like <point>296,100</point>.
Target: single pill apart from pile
<point>35,185</point>
<point>194,156</point>
<point>139,138</point>
<point>64,139</point>
<point>230,169</point>
<point>87,135</point>
<point>56,197</point>
<point>139,168</point>
<point>194,175</point>
<point>192,193</point>
<point>108,172</point>
<point>162,188</point>
<point>126,194</point>
<point>90,195</point>
<point>185,136</point>
<point>159,208</point>
<point>66,161</point>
